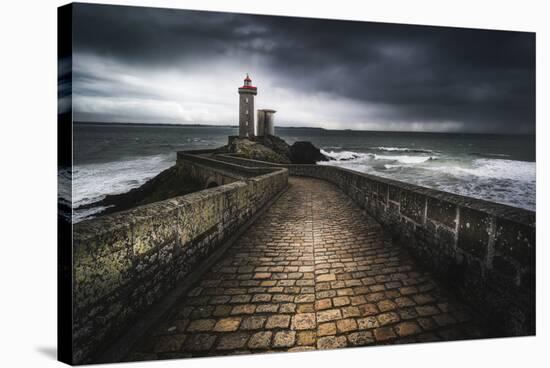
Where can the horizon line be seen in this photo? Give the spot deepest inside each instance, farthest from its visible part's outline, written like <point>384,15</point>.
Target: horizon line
<point>295,127</point>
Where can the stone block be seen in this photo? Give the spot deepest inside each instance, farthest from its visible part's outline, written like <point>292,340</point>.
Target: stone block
<point>303,321</point>
<point>201,325</point>
<point>331,342</point>
<point>199,342</point>
<point>394,193</point>
<point>384,334</point>
<point>412,205</point>
<point>284,339</point>
<point>346,325</point>
<point>260,340</point>
<point>233,341</point>
<point>227,324</point>
<point>474,232</point>
<point>153,227</point>
<point>407,328</point>
<point>505,267</point>
<point>105,275</point>
<point>278,321</point>
<point>516,241</point>
<point>442,211</point>
<point>328,315</point>
<point>360,338</point>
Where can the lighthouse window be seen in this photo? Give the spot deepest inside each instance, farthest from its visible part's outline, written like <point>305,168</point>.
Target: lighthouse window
<point>246,112</point>
<point>247,100</point>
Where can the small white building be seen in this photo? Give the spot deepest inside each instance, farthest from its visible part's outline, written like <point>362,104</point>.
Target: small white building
<point>265,122</point>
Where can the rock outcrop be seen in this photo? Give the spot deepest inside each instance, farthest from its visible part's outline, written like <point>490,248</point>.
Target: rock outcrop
<point>271,149</point>
<point>274,149</point>
<point>306,153</point>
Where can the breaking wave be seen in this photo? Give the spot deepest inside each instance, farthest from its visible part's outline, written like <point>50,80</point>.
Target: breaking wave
<point>345,155</point>
<point>497,155</point>
<point>495,169</point>
<point>406,159</point>
<point>495,179</point>
<point>356,156</point>
<point>92,182</point>
<point>401,149</point>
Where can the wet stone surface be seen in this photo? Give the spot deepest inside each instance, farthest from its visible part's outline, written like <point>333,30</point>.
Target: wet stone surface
<point>313,273</point>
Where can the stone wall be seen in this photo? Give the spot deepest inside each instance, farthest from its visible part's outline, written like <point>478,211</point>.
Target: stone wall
<point>125,262</point>
<point>484,250</point>
<point>205,169</point>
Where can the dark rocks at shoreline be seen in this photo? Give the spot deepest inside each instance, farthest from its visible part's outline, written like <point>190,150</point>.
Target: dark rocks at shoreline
<point>274,149</point>
<point>306,153</point>
<point>170,183</point>
<point>270,149</point>
<point>277,144</point>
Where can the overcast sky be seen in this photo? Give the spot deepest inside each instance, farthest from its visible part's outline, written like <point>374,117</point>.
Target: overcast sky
<point>148,65</point>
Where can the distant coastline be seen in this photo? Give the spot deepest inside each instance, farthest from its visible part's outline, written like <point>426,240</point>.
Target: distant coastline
<point>156,124</point>
<point>291,127</point>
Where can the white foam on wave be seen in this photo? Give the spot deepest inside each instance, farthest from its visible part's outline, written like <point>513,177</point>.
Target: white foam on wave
<point>493,169</point>
<point>391,149</point>
<point>92,182</point>
<point>358,157</point>
<point>505,181</point>
<point>83,214</point>
<point>346,155</point>
<point>389,166</point>
<point>64,178</point>
<point>405,159</point>
<point>401,149</point>
<point>502,169</point>
<point>499,180</point>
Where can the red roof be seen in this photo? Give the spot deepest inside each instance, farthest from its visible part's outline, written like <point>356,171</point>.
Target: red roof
<point>251,87</point>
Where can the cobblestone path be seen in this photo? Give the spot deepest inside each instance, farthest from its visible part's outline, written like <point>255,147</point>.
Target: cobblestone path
<point>313,273</point>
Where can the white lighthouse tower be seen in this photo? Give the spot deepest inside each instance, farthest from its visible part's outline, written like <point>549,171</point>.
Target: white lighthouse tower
<point>246,108</point>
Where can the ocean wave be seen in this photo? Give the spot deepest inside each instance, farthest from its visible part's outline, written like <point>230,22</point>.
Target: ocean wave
<point>401,149</point>
<point>504,181</point>
<point>510,192</point>
<point>64,185</point>
<point>389,166</point>
<point>346,155</point>
<point>489,154</point>
<point>501,169</point>
<point>83,214</point>
<point>359,157</point>
<point>494,179</point>
<point>92,182</point>
<point>405,159</point>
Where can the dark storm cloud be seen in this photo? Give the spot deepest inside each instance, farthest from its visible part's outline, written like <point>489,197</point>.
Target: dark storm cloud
<point>482,80</point>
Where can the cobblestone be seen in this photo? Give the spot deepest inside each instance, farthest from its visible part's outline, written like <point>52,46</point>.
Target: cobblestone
<point>227,325</point>
<point>314,272</point>
<point>284,339</point>
<point>260,340</point>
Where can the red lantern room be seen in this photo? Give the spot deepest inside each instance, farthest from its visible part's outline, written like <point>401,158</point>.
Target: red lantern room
<point>247,82</point>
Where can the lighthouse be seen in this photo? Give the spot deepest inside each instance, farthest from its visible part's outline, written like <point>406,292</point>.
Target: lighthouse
<point>246,108</point>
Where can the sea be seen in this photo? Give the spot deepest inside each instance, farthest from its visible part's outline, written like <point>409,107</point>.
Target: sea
<point>113,158</point>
